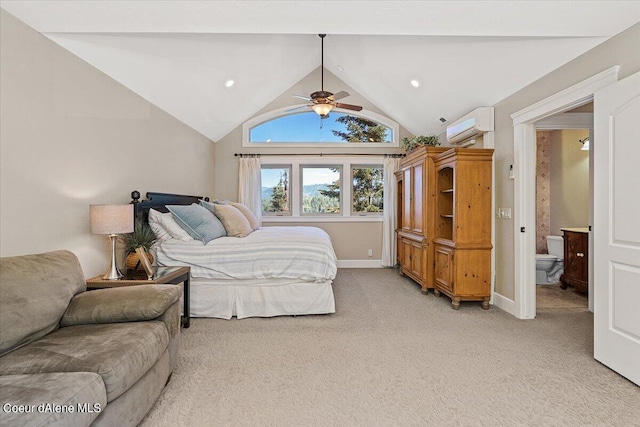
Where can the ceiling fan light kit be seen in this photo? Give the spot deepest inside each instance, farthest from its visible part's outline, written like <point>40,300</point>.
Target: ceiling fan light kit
<point>322,102</point>
<point>322,109</point>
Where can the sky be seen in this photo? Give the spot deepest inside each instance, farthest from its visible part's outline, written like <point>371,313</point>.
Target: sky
<point>300,127</point>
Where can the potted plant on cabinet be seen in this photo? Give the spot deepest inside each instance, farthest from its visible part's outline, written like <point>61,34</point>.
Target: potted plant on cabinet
<point>409,144</point>
<point>142,236</point>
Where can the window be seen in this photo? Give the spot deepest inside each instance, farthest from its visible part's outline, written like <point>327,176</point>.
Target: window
<point>367,190</point>
<point>321,189</point>
<point>280,128</point>
<point>275,190</point>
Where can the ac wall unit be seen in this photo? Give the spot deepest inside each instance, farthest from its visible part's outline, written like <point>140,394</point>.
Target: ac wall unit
<point>475,123</point>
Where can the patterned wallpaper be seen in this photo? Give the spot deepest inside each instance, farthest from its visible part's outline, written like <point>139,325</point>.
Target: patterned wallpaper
<point>543,190</point>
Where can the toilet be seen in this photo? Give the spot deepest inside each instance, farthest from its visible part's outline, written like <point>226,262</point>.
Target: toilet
<point>549,267</point>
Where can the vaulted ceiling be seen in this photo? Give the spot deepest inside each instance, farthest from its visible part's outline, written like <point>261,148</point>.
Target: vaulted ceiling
<point>464,54</point>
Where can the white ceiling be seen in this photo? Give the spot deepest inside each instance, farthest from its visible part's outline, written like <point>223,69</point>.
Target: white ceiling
<point>179,54</point>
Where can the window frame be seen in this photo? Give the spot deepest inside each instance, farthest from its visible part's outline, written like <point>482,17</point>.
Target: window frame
<point>281,112</point>
<point>295,189</point>
<point>365,166</point>
<point>277,166</point>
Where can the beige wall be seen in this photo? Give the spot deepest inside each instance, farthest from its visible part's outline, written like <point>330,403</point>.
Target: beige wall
<point>351,240</point>
<point>621,50</point>
<point>70,136</point>
<point>569,180</point>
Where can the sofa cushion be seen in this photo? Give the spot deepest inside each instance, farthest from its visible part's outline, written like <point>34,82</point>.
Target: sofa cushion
<point>125,304</point>
<point>119,352</point>
<point>81,394</point>
<point>35,291</point>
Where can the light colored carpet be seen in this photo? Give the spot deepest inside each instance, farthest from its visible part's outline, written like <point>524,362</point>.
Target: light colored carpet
<point>391,356</point>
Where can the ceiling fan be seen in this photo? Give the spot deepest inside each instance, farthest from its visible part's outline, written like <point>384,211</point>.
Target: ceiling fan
<point>322,102</point>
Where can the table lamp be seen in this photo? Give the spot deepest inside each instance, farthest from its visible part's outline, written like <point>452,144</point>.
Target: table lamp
<point>111,220</point>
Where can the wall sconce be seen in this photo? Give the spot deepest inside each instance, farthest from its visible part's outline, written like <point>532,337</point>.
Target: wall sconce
<point>585,144</point>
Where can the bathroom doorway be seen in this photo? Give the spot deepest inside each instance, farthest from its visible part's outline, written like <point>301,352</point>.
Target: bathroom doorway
<point>562,205</point>
<point>525,123</point>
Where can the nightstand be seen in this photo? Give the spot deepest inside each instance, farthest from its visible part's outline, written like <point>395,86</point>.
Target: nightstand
<point>161,275</point>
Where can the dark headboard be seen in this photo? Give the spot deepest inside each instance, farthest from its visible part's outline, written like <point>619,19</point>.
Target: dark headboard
<point>158,201</point>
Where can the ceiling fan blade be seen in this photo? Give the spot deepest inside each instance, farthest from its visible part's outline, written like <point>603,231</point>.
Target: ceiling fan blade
<point>349,106</point>
<point>340,95</point>
<point>306,98</point>
<point>297,108</point>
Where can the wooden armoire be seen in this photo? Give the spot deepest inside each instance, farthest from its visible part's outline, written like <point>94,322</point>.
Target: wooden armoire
<point>416,215</point>
<point>462,235</point>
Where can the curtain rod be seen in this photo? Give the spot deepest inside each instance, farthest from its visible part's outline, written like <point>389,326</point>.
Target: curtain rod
<point>393,156</point>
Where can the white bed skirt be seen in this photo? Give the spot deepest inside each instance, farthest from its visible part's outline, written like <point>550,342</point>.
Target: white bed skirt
<point>254,298</point>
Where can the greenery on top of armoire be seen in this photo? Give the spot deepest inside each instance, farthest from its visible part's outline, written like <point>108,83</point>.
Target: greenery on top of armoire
<point>409,144</point>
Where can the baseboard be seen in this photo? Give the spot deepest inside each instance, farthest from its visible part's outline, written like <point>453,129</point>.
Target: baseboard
<point>359,263</point>
<point>504,303</point>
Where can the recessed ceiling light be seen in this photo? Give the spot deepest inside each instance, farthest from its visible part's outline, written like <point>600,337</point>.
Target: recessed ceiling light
<point>229,83</point>
<point>340,68</point>
<point>415,83</point>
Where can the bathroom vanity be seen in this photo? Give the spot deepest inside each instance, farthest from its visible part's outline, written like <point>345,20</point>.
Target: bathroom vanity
<point>576,259</point>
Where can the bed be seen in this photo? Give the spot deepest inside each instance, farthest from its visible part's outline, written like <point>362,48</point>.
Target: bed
<point>274,271</point>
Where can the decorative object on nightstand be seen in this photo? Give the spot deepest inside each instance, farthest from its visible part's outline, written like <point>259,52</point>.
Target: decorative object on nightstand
<point>142,236</point>
<point>111,220</point>
<point>144,260</point>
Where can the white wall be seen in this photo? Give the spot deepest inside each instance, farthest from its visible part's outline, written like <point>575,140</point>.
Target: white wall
<point>70,136</point>
<point>621,50</point>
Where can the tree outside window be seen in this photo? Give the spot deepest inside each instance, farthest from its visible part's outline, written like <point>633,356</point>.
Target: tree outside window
<point>275,190</point>
<point>321,189</point>
<point>368,187</point>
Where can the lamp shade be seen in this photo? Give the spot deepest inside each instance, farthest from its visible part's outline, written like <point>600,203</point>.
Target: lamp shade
<point>322,109</point>
<point>111,219</point>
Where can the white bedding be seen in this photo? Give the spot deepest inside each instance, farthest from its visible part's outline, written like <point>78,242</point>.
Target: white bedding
<point>302,253</point>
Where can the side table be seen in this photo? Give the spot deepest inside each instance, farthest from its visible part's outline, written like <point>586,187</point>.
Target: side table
<point>161,275</point>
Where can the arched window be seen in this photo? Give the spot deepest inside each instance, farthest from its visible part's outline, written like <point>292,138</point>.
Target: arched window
<point>279,128</point>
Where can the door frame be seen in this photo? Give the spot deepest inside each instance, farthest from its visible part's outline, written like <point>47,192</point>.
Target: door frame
<point>524,151</point>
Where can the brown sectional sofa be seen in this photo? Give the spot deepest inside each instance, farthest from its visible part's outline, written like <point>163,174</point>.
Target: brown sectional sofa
<point>74,358</point>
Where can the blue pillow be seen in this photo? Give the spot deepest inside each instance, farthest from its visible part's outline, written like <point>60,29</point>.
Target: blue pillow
<point>200,223</point>
<point>208,206</point>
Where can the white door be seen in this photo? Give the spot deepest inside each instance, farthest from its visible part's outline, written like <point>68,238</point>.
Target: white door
<point>616,231</point>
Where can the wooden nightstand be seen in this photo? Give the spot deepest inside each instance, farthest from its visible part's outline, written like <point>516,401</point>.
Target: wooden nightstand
<point>162,275</point>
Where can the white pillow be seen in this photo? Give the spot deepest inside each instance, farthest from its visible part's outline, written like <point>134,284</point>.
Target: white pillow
<point>156,226</point>
<point>167,226</point>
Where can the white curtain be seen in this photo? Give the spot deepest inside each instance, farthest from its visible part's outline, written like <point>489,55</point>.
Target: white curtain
<point>390,200</point>
<point>249,185</point>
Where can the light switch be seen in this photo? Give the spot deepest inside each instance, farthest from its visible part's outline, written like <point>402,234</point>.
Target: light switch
<point>504,213</point>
